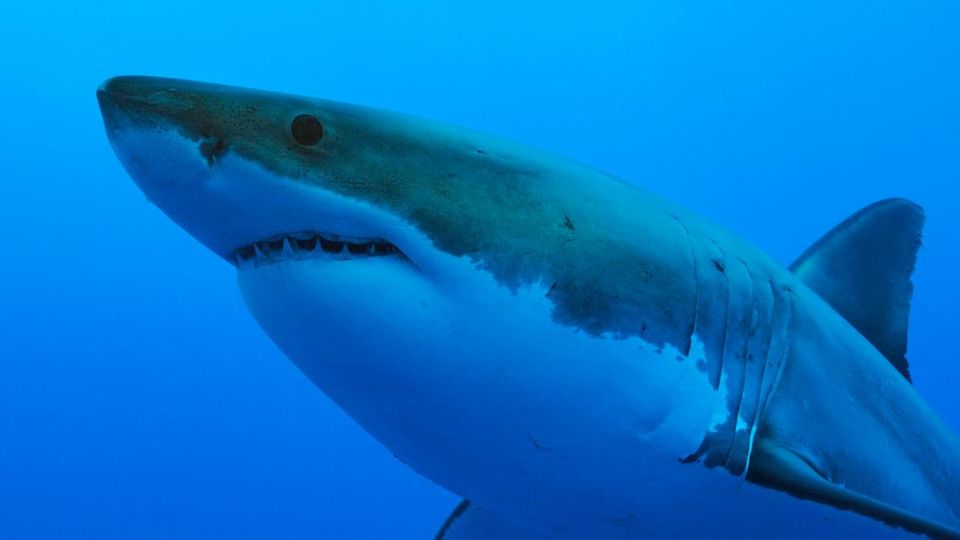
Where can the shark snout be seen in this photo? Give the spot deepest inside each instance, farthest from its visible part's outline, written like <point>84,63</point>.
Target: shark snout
<point>113,89</point>
<point>252,174</point>
<point>175,171</point>
<point>110,107</point>
<point>118,94</point>
<point>145,101</point>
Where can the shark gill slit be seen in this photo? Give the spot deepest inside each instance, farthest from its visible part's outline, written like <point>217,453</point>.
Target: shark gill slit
<point>739,390</point>
<point>717,309</point>
<point>768,345</point>
<point>783,326</point>
<point>726,319</point>
<point>718,443</point>
<point>697,287</point>
<point>755,362</point>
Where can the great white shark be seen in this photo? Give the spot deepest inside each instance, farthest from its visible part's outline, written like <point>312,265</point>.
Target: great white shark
<point>575,357</point>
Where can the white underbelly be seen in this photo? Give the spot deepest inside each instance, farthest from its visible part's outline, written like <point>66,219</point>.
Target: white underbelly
<point>478,389</point>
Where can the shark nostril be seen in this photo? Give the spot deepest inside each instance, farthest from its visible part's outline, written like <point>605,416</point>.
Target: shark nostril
<point>213,148</point>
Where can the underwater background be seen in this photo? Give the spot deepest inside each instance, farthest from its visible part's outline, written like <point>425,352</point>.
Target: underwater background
<point>138,399</point>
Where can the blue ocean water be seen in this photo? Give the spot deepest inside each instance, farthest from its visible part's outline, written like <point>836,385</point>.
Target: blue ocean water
<point>138,399</point>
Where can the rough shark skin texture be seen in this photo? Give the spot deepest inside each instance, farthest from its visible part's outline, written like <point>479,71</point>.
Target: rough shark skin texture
<point>561,348</point>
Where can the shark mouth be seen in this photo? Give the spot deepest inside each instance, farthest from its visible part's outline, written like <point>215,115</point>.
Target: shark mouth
<point>309,245</point>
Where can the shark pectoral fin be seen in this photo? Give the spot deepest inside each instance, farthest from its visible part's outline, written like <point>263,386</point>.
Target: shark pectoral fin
<point>471,522</point>
<point>862,268</point>
<point>782,469</point>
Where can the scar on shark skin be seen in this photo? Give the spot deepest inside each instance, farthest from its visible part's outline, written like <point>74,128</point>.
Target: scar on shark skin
<point>570,229</point>
<point>550,291</point>
<point>537,443</point>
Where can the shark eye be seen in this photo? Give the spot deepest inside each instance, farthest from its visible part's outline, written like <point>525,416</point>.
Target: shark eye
<point>306,129</point>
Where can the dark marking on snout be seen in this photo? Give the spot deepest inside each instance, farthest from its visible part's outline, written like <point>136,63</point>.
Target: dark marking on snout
<point>212,149</point>
<point>718,264</point>
<point>568,223</point>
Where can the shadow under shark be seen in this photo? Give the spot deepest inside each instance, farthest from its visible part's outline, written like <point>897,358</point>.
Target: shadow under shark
<point>575,357</point>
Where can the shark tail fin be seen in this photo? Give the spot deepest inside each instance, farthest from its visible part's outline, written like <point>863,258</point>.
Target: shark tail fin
<point>863,269</point>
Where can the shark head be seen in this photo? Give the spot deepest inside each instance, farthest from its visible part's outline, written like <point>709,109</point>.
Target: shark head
<point>428,277</point>
<point>255,174</point>
<point>260,177</point>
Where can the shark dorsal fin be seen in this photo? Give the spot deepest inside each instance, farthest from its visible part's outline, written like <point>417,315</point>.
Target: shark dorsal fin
<point>862,268</point>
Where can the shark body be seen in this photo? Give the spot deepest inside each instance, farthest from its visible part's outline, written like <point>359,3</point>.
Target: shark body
<point>574,356</point>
